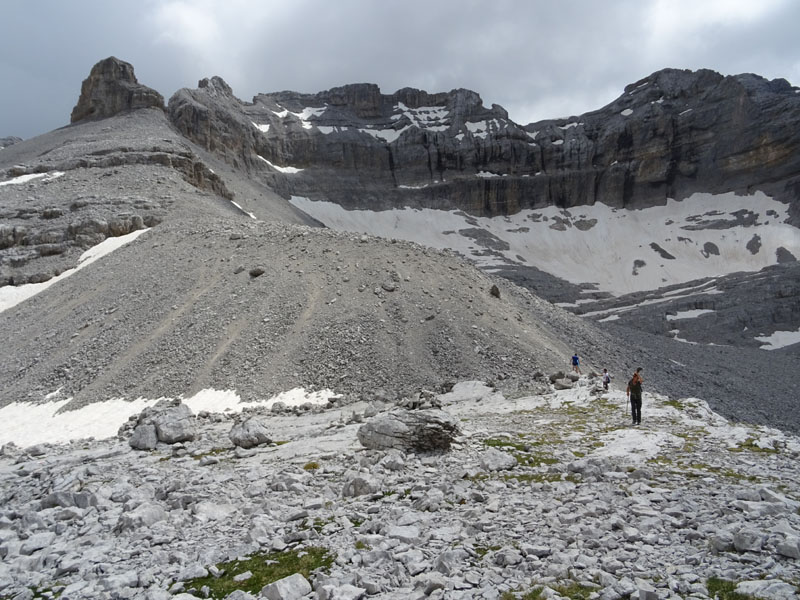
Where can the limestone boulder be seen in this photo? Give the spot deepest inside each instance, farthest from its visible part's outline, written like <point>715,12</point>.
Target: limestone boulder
<point>416,430</point>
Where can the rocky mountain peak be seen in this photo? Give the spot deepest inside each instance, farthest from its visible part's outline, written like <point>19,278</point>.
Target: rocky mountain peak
<point>216,85</point>
<point>364,98</point>
<point>112,88</point>
<point>8,141</point>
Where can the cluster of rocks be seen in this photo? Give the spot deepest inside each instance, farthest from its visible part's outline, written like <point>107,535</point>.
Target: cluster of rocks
<point>545,491</point>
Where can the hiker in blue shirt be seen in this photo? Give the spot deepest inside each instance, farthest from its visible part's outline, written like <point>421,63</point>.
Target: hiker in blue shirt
<point>576,363</point>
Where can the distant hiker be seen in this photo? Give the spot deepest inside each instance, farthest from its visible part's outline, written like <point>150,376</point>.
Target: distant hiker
<point>576,363</point>
<point>606,379</point>
<point>634,391</point>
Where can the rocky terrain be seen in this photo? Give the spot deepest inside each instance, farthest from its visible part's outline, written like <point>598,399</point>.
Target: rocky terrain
<point>235,288</point>
<point>712,311</point>
<point>231,286</point>
<point>551,490</point>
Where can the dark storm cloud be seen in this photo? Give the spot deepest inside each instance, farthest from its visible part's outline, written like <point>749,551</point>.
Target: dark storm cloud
<point>538,59</point>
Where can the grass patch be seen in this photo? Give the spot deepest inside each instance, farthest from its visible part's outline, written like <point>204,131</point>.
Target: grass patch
<point>675,404</point>
<point>361,545</point>
<point>722,589</point>
<point>502,443</point>
<point>533,594</point>
<point>484,550</point>
<point>729,473</point>
<point>604,404</point>
<point>750,446</point>
<point>311,466</point>
<point>212,452</point>
<point>280,442</point>
<point>266,569</point>
<point>534,477</point>
<point>533,459</point>
<point>44,593</point>
<point>575,590</point>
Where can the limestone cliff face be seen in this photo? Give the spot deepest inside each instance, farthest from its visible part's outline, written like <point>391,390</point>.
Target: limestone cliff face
<point>110,89</point>
<point>669,135</point>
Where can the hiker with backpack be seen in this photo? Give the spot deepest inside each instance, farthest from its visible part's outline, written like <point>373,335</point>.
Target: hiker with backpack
<point>606,379</point>
<point>634,392</point>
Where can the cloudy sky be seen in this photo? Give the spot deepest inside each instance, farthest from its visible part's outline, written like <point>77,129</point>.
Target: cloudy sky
<point>537,58</point>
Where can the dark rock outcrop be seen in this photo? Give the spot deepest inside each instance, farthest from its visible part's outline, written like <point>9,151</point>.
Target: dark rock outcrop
<point>112,88</point>
<point>418,431</point>
<point>9,141</point>
<point>669,135</point>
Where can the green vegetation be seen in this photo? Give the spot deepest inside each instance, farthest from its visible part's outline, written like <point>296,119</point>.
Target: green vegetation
<point>533,594</point>
<point>522,452</point>
<point>572,590</point>
<point>212,452</point>
<point>484,550</point>
<point>318,523</point>
<point>43,593</point>
<point>750,445</point>
<point>266,569</point>
<point>675,404</point>
<point>575,590</point>
<point>361,545</point>
<point>498,443</point>
<point>723,589</point>
<point>533,477</point>
<point>311,466</point>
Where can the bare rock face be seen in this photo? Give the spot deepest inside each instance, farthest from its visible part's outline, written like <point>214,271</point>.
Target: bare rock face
<point>668,135</point>
<point>112,88</point>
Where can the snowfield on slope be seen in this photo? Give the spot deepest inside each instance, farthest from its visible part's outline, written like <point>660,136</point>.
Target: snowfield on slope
<point>618,250</point>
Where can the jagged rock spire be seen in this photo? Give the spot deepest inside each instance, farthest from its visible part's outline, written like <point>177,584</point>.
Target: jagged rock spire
<point>112,88</point>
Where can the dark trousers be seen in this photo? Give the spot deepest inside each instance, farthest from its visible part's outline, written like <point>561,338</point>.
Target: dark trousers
<point>636,409</point>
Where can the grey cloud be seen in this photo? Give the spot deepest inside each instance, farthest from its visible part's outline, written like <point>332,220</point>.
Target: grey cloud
<point>538,59</point>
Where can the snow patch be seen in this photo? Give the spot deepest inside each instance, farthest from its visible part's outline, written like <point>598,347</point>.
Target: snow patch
<point>387,135</point>
<point>32,177</point>
<point>289,170</point>
<point>12,295</point>
<point>779,339</point>
<point>251,215</point>
<point>688,314</point>
<point>627,112</point>
<point>27,424</point>
<point>598,253</point>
